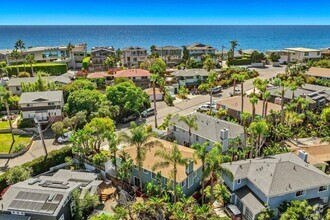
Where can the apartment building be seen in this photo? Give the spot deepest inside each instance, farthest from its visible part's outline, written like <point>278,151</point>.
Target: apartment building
<point>133,56</point>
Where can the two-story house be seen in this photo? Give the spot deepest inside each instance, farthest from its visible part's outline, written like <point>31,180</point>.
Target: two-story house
<point>300,54</point>
<point>42,105</point>
<point>282,53</point>
<point>140,77</point>
<point>170,54</point>
<point>190,78</point>
<point>197,50</point>
<point>188,177</point>
<point>273,180</point>
<point>99,54</point>
<point>133,56</point>
<point>208,129</point>
<point>47,197</point>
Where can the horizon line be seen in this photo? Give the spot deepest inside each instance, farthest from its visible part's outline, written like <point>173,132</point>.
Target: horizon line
<point>164,24</point>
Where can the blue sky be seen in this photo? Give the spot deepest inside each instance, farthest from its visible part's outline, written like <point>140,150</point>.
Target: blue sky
<point>194,12</point>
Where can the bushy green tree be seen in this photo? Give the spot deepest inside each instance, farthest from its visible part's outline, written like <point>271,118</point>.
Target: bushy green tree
<point>18,174</point>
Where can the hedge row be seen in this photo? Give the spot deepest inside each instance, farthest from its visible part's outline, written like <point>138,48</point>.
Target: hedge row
<point>50,68</point>
<point>239,62</point>
<point>40,165</point>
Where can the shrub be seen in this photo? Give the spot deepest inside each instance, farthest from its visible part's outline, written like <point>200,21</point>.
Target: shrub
<point>85,62</point>
<point>51,68</point>
<point>168,99</point>
<point>99,159</point>
<point>3,64</point>
<point>17,174</point>
<point>25,123</point>
<point>23,75</point>
<point>18,148</point>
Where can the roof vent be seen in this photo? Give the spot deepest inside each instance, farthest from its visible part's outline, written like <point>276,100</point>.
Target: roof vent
<point>240,166</point>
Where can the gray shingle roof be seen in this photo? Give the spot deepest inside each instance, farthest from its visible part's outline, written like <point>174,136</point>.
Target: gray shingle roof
<point>191,72</point>
<point>37,97</point>
<point>279,174</point>
<point>209,127</point>
<point>250,199</point>
<point>275,91</point>
<point>64,79</point>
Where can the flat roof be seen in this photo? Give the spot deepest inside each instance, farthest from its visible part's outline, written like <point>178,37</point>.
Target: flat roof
<point>319,72</point>
<point>302,49</point>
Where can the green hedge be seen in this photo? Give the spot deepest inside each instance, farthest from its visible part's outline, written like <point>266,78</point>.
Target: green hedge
<point>239,62</point>
<point>85,63</point>
<point>51,68</point>
<point>40,165</point>
<point>3,64</point>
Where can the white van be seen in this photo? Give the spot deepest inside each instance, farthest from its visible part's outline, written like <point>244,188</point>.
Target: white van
<point>148,112</point>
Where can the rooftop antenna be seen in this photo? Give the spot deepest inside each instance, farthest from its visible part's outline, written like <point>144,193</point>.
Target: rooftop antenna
<point>41,135</point>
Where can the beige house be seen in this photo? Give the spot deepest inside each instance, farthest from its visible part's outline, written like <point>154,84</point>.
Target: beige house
<point>99,54</point>
<point>133,56</point>
<point>42,105</point>
<point>197,50</point>
<point>233,106</point>
<point>170,54</point>
<point>53,54</point>
<point>140,77</point>
<point>300,54</point>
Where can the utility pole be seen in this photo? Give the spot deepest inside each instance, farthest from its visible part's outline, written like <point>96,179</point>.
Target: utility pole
<point>41,135</point>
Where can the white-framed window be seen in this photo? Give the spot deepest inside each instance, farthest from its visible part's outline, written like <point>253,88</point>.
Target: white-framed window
<point>62,217</point>
<point>300,193</point>
<point>197,138</point>
<point>195,174</point>
<point>145,171</point>
<point>323,188</point>
<point>183,183</point>
<point>190,180</point>
<point>238,113</point>
<point>154,176</point>
<point>306,54</point>
<point>239,181</point>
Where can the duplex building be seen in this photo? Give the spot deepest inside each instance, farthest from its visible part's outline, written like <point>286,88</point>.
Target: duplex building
<point>319,73</point>
<point>170,54</point>
<point>133,56</point>
<point>42,105</point>
<point>139,76</point>
<point>15,84</point>
<point>99,54</point>
<point>47,197</point>
<point>197,50</point>
<point>208,129</point>
<point>233,106</point>
<point>190,78</point>
<point>283,55</point>
<point>188,177</point>
<point>273,180</point>
<point>300,54</point>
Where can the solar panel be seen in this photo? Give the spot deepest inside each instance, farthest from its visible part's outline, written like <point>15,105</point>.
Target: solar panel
<point>31,205</point>
<point>45,207</point>
<point>25,205</point>
<point>20,195</point>
<point>38,207</point>
<point>25,196</point>
<point>32,196</point>
<point>52,208</point>
<point>44,197</point>
<point>13,204</point>
<point>19,205</point>
<point>58,198</point>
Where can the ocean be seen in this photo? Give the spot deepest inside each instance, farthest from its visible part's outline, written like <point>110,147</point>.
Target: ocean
<point>249,37</point>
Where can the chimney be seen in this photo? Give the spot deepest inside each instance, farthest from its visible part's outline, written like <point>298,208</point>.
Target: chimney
<point>303,155</point>
<point>190,167</point>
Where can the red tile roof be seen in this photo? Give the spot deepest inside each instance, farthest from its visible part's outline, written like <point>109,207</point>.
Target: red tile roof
<point>132,73</point>
<point>97,75</point>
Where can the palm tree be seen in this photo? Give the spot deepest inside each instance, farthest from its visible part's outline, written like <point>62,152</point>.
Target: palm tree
<point>141,138</point>
<point>207,86</point>
<point>166,123</point>
<point>5,96</point>
<point>15,55</point>
<point>208,63</point>
<point>19,45</point>
<point>113,141</point>
<point>190,121</point>
<point>200,154</point>
<point>245,118</point>
<point>282,84</point>
<point>156,68</point>
<point>70,48</point>
<point>293,87</point>
<point>172,158</point>
<point>3,70</point>
<point>260,130</point>
<point>265,97</point>
<point>254,100</point>
<point>233,44</point>
<point>29,59</point>
<point>213,166</point>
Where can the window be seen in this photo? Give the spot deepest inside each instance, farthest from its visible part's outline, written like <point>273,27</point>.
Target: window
<point>18,88</point>
<point>51,103</point>
<point>306,54</point>
<point>62,217</point>
<point>174,128</point>
<point>323,188</point>
<point>239,181</point>
<point>238,113</point>
<point>197,138</point>
<point>300,193</point>
<point>29,105</point>
<point>318,53</point>
<point>195,175</point>
<point>154,176</point>
<point>183,183</point>
<point>145,171</point>
<point>144,77</point>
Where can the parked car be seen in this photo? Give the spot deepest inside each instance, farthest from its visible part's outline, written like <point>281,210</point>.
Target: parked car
<point>6,118</point>
<point>233,212</point>
<point>65,137</point>
<point>237,92</point>
<point>216,89</point>
<point>129,118</point>
<point>206,108</point>
<point>148,112</point>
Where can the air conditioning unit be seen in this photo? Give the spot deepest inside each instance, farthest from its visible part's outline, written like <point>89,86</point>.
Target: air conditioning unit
<point>303,155</point>
<point>224,134</point>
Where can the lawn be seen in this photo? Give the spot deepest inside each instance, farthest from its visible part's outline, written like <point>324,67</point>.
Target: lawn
<point>5,141</point>
<point>4,125</point>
